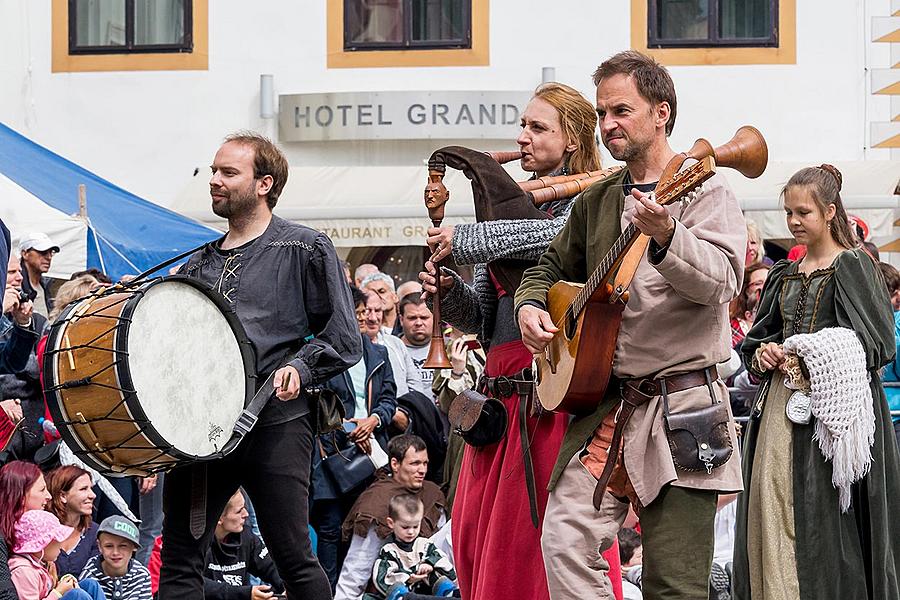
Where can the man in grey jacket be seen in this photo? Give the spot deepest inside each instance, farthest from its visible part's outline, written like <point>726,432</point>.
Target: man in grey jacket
<point>287,287</point>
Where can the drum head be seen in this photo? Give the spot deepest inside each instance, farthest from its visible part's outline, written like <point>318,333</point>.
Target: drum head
<point>186,367</point>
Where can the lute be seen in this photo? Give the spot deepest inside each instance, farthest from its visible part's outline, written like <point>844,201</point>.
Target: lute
<point>574,369</point>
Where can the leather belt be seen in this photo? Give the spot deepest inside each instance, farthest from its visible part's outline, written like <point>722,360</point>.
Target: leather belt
<point>521,383</point>
<point>636,392</point>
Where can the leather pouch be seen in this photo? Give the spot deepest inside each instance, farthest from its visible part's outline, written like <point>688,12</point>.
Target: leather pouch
<point>479,419</point>
<point>330,411</point>
<point>698,438</point>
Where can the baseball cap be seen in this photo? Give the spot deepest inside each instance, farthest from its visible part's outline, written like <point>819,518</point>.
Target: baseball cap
<point>38,241</point>
<point>122,527</point>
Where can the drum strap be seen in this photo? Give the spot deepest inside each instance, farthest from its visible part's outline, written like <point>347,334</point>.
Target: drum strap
<point>250,415</point>
<point>246,422</point>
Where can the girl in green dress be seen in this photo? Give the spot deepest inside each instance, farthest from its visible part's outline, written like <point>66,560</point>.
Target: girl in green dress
<point>793,541</point>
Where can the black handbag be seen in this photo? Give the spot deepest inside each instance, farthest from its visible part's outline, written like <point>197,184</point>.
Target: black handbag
<point>698,438</point>
<point>348,469</point>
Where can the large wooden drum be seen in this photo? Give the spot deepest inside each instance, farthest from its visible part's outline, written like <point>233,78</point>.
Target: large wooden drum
<point>144,378</point>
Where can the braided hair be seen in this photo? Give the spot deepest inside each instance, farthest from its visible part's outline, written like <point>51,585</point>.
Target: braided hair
<point>824,185</point>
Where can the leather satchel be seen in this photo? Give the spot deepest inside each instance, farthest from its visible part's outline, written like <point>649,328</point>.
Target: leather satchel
<point>479,419</point>
<point>698,438</point>
<point>349,468</point>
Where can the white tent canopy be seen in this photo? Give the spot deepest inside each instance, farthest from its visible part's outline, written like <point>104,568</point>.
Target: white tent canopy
<point>383,206</point>
<point>23,213</point>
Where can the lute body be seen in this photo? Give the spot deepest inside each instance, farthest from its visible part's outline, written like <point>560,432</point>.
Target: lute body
<point>574,370</point>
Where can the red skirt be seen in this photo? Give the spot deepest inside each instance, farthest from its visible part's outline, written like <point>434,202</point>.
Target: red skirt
<point>496,548</point>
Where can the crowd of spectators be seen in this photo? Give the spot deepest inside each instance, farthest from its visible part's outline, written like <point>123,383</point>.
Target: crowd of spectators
<point>381,531</point>
<point>76,541</point>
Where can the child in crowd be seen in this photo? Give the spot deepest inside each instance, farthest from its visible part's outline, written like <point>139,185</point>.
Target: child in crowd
<point>234,555</point>
<point>631,553</point>
<point>409,563</point>
<point>120,575</point>
<point>39,536</point>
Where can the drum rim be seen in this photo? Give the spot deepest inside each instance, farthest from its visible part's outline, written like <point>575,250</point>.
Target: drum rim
<point>54,400</point>
<point>244,346</point>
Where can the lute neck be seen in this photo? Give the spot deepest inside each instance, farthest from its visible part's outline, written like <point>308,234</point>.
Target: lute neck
<point>603,271</point>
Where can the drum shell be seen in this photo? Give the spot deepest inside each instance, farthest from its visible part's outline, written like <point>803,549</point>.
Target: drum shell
<point>103,421</point>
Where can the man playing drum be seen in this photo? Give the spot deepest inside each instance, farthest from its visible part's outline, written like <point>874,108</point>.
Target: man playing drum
<point>286,285</point>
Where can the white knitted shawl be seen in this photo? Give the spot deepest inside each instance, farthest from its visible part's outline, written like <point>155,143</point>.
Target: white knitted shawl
<point>841,401</point>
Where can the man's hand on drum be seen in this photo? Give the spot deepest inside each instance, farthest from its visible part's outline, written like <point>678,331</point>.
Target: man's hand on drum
<point>440,240</point>
<point>428,277</point>
<point>537,328</point>
<point>362,434</point>
<point>13,409</point>
<point>292,389</point>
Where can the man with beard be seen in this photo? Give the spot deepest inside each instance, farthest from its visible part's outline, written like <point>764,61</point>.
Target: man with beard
<point>286,285</point>
<point>366,526</point>
<point>674,331</point>
<point>416,321</point>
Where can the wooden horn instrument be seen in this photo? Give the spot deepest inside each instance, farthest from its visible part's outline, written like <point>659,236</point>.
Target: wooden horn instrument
<point>436,196</point>
<point>548,189</point>
<point>745,152</point>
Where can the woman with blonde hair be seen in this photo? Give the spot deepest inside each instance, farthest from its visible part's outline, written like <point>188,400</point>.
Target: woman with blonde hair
<point>818,516</point>
<point>496,520</point>
<point>72,290</point>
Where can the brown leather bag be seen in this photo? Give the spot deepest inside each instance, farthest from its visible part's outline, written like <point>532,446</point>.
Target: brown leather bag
<point>479,419</point>
<point>698,438</point>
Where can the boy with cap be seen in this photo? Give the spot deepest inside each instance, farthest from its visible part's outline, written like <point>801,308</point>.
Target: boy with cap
<point>119,574</point>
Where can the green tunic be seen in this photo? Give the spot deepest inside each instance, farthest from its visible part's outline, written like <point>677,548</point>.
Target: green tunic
<point>837,555</point>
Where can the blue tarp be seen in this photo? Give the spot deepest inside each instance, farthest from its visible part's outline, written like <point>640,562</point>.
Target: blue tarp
<point>126,234</point>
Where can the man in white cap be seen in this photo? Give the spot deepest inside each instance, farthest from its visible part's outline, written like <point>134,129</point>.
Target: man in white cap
<point>37,253</point>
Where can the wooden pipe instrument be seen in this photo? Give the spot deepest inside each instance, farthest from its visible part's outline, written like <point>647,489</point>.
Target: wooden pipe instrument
<point>496,196</point>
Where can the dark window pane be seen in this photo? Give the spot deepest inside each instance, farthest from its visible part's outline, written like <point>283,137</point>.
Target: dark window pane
<point>683,19</point>
<point>745,19</point>
<point>374,21</point>
<point>438,20</point>
<point>100,23</point>
<point>158,22</point>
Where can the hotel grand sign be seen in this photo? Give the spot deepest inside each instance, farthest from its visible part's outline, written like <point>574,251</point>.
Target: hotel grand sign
<point>400,115</point>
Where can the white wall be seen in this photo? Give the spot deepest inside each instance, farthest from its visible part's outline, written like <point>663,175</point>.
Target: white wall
<point>147,131</point>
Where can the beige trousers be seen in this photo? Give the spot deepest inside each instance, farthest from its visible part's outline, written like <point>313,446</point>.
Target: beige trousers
<point>575,534</point>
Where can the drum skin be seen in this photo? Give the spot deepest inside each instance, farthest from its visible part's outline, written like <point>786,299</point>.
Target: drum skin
<point>89,392</point>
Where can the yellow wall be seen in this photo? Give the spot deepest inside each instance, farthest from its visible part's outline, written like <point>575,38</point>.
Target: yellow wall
<point>63,62</point>
<point>785,53</point>
<point>477,55</point>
